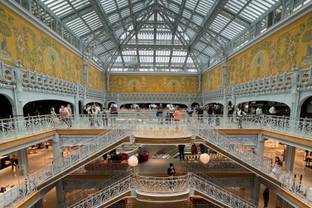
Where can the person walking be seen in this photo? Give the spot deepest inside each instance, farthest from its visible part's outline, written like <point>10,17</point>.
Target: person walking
<point>266,197</point>
<point>64,114</point>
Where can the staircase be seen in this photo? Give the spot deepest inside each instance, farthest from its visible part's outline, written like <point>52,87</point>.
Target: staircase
<point>162,187</point>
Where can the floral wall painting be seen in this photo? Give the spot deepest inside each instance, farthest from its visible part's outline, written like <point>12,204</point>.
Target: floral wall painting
<point>153,84</point>
<point>21,42</point>
<point>275,54</point>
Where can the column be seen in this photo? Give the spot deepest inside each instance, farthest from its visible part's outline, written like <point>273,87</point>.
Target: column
<point>255,189</point>
<point>233,102</point>
<point>76,107</point>
<point>60,193</point>
<point>225,84</point>
<point>57,152</point>
<point>295,95</point>
<point>260,145</point>
<point>18,91</point>
<point>290,154</point>
<point>23,161</point>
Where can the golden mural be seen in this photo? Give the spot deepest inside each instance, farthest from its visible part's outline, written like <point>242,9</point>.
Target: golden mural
<point>212,79</point>
<point>153,84</point>
<point>21,42</point>
<point>273,55</point>
<point>96,78</point>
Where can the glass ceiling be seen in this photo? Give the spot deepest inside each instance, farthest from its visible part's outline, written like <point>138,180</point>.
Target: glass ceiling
<point>157,35</point>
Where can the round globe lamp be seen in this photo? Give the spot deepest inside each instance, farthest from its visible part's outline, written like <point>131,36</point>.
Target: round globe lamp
<point>204,158</point>
<point>133,161</point>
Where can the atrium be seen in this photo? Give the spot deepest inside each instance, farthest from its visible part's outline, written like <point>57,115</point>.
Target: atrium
<point>156,103</point>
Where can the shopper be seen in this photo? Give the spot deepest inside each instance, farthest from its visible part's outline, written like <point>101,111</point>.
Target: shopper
<point>53,116</point>
<point>70,115</point>
<point>64,115</point>
<point>194,149</point>
<point>266,197</point>
<point>181,151</point>
<point>171,173</point>
<point>277,166</point>
<point>159,115</point>
<point>171,170</point>
<point>141,155</point>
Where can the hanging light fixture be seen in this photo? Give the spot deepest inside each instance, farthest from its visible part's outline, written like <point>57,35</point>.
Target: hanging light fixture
<point>133,161</point>
<point>204,158</point>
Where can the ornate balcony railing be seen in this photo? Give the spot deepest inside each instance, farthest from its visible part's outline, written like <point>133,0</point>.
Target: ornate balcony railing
<point>40,82</point>
<point>276,84</point>
<point>107,194</point>
<point>60,165</point>
<point>163,186</point>
<point>255,161</point>
<point>217,193</point>
<point>22,126</point>
<point>155,97</point>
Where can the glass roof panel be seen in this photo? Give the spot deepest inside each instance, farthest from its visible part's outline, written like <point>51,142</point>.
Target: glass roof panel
<point>181,29</point>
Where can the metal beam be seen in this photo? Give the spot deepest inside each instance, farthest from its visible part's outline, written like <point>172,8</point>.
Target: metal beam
<point>76,14</point>
<point>214,11</point>
<point>104,20</point>
<point>180,37</point>
<point>175,27</point>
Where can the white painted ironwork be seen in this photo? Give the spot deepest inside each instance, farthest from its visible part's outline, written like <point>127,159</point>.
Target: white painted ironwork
<point>252,159</point>
<point>162,186</point>
<point>62,164</point>
<point>217,193</point>
<point>107,194</point>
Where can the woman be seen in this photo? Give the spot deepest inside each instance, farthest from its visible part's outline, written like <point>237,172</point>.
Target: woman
<point>277,167</point>
<point>177,116</point>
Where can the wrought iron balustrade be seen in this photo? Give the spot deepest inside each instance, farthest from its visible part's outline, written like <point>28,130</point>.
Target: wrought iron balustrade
<point>254,160</point>
<point>217,193</point>
<point>61,164</point>
<point>107,194</point>
<point>163,186</point>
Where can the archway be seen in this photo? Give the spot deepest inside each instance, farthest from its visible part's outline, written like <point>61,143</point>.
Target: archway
<point>42,107</point>
<point>306,108</point>
<point>6,107</point>
<point>280,109</point>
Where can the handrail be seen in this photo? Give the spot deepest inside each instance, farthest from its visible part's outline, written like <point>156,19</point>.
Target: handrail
<point>22,126</point>
<point>217,193</point>
<point>255,161</point>
<point>61,164</point>
<point>163,186</point>
<point>107,194</point>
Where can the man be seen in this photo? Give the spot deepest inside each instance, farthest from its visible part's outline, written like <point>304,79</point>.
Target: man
<point>171,173</point>
<point>181,151</point>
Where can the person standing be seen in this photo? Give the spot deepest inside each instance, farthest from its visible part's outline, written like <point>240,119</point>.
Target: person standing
<point>70,114</point>
<point>171,173</point>
<point>159,115</point>
<point>266,197</point>
<point>64,114</point>
<point>181,151</point>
